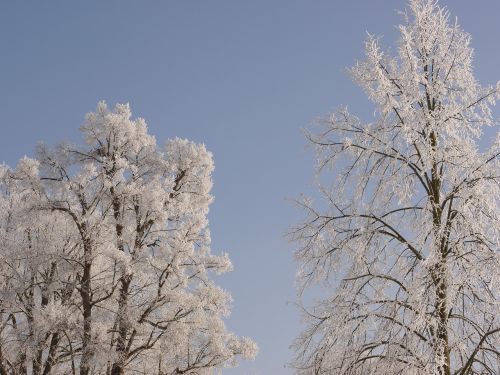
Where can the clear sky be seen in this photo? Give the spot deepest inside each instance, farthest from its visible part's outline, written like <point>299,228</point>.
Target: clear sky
<point>244,77</point>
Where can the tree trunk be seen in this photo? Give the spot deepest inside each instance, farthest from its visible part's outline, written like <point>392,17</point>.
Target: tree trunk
<point>439,276</point>
<point>85,293</point>
<point>119,365</point>
<point>51,357</point>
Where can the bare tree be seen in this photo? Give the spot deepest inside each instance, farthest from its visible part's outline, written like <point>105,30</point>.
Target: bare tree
<point>410,237</point>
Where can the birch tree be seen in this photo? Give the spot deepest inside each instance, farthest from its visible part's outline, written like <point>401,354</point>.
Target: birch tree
<point>407,239</point>
<point>131,249</point>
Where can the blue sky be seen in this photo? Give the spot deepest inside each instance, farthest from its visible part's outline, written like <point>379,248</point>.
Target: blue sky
<point>242,77</point>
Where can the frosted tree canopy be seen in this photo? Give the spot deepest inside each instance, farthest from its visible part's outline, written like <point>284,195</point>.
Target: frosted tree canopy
<point>105,264</point>
<point>408,229</point>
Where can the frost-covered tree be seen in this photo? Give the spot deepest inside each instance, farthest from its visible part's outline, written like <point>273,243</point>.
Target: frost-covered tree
<point>106,258</point>
<point>409,238</point>
<point>37,284</point>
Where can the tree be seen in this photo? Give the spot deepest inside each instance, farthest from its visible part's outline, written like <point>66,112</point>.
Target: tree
<point>37,285</point>
<point>129,260</point>
<point>410,235</point>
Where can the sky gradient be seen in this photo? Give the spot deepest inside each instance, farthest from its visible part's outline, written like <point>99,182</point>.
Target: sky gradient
<point>242,77</point>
